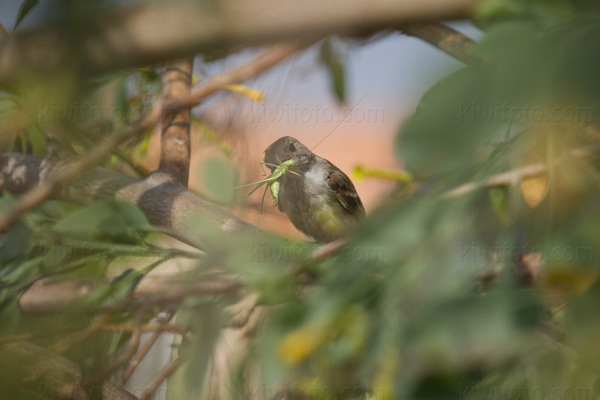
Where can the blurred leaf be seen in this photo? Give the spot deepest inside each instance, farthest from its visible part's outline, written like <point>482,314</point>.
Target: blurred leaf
<point>535,189</point>
<point>332,59</point>
<point>297,345</point>
<point>149,74</point>
<point>17,273</point>
<point>26,6</point>
<point>499,200</point>
<point>453,118</point>
<point>16,242</point>
<point>474,330</point>
<point>110,220</point>
<point>253,94</point>
<point>220,179</point>
<point>108,295</point>
<point>10,315</point>
<point>121,101</point>
<point>562,283</point>
<point>212,135</point>
<point>145,142</point>
<point>206,319</point>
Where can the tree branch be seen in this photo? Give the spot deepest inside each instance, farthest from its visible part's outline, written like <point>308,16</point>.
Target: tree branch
<point>444,38</point>
<point>175,134</point>
<point>165,202</point>
<point>153,32</point>
<point>514,177</point>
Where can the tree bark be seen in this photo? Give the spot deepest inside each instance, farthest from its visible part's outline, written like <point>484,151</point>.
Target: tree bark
<point>165,202</point>
<point>175,137</point>
<point>153,32</point>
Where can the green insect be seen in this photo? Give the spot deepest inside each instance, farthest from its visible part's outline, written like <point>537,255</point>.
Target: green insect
<point>272,182</point>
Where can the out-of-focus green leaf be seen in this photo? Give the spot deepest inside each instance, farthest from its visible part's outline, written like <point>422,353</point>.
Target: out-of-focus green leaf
<point>499,200</point>
<point>213,136</point>
<point>332,59</point>
<point>207,320</point>
<point>452,119</point>
<point>145,142</point>
<point>10,316</point>
<point>108,295</point>
<point>220,179</point>
<point>26,6</point>
<point>17,273</point>
<point>15,242</point>
<point>106,220</point>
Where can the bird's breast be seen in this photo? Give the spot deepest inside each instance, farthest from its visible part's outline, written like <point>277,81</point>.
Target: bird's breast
<point>315,181</point>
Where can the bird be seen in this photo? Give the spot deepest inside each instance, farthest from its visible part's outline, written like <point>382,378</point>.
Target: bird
<point>319,199</point>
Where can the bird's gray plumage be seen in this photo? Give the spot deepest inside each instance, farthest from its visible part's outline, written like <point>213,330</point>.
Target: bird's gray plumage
<point>322,202</point>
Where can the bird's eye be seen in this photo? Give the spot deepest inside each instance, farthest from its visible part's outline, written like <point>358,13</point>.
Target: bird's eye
<point>292,147</point>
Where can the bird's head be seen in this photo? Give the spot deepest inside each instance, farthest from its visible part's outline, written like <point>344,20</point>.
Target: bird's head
<point>289,148</point>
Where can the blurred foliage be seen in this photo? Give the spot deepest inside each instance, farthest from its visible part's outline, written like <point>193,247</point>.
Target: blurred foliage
<point>406,309</point>
<point>332,58</point>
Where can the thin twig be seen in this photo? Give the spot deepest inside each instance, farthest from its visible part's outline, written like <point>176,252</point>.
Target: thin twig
<point>16,338</point>
<point>129,352</point>
<point>513,177</point>
<point>251,69</point>
<point>160,378</point>
<point>139,169</point>
<point>446,39</point>
<point>148,344</point>
<point>160,327</point>
<point>76,337</point>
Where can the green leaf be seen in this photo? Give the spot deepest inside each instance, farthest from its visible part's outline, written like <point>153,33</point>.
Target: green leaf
<point>15,243</point>
<point>220,180</point>
<point>454,117</point>
<point>107,220</point>
<point>121,101</point>
<point>15,274</point>
<point>10,316</point>
<point>499,201</point>
<point>206,320</point>
<point>108,295</point>
<point>145,142</point>
<point>24,10</point>
<point>212,135</point>
<point>335,65</point>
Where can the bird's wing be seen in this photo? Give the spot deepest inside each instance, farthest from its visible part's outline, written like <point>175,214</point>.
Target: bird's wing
<point>344,191</point>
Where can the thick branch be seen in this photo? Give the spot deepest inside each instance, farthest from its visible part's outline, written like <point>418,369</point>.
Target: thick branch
<point>150,33</point>
<point>50,375</point>
<point>175,137</point>
<point>165,202</point>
